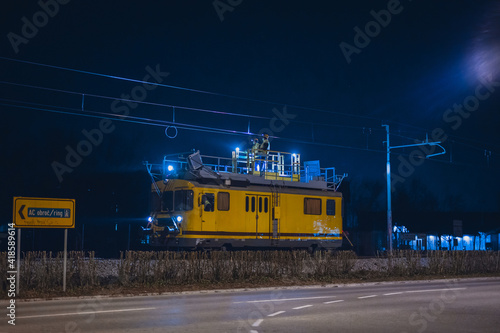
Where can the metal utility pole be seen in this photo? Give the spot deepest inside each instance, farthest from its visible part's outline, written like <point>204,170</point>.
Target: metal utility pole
<point>389,200</point>
<point>388,166</point>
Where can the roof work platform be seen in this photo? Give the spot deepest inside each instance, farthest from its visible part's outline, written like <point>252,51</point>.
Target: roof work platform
<point>255,166</point>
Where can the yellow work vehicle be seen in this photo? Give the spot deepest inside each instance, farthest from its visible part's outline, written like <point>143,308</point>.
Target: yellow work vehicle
<point>246,201</point>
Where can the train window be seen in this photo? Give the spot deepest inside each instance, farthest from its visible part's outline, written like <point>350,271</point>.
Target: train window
<point>260,204</point>
<point>312,206</point>
<point>223,201</point>
<point>253,204</point>
<point>266,202</point>
<point>247,203</point>
<point>168,201</point>
<point>330,207</point>
<point>208,202</point>
<point>183,200</point>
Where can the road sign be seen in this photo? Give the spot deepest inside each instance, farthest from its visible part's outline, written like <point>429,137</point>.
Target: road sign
<point>44,213</point>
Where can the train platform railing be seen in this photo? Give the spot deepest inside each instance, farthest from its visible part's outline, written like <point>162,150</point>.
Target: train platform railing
<point>273,165</point>
<point>311,171</point>
<point>270,164</point>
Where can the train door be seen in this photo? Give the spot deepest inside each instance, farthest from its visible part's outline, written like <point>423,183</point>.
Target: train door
<point>207,211</point>
<point>257,214</point>
<point>264,215</point>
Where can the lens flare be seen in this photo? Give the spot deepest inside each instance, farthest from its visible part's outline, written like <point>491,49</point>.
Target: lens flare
<point>485,59</point>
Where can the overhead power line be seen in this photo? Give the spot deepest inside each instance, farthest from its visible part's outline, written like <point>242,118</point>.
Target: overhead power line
<point>163,123</point>
<point>250,116</point>
<point>187,89</point>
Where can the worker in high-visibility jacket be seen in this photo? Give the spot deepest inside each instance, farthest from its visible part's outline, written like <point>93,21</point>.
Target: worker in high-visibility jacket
<point>253,153</point>
<point>264,148</point>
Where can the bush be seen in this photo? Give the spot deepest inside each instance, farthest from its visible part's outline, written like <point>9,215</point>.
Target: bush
<point>42,272</point>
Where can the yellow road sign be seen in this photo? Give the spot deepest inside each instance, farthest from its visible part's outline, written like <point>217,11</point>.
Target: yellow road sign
<point>44,213</point>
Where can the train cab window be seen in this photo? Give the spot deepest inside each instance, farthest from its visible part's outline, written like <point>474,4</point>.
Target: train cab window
<point>312,206</point>
<point>168,201</point>
<point>247,204</point>
<point>330,207</point>
<point>260,204</point>
<point>266,203</point>
<point>253,204</point>
<point>223,201</point>
<point>208,202</point>
<point>183,200</point>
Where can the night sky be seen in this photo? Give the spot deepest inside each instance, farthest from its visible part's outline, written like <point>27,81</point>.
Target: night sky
<point>330,72</point>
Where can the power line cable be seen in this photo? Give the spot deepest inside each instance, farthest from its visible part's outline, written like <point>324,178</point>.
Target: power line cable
<point>187,89</point>
<point>154,122</point>
<point>176,106</point>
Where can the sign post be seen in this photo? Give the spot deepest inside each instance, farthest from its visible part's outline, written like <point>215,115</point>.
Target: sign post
<point>65,258</point>
<point>18,263</point>
<point>44,213</point>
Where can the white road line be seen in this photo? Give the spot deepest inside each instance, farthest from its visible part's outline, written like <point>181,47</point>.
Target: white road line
<point>284,299</point>
<point>254,331</point>
<point>390,294</point>
<point>431,290</point>
<point>257,322</point>
<point>276,313</point>
<point>340,300</point>
<point>370,296</point>
<point>302,307</point>
<point>84,313</point>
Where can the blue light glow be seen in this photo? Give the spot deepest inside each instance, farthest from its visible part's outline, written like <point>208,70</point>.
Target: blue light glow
<point>150,219</point>
<point>179,219</point>
<point>170,168</point>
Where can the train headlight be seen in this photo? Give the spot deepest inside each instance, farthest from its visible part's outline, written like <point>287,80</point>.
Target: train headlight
<point>150,219</point>
<point>178,219</point>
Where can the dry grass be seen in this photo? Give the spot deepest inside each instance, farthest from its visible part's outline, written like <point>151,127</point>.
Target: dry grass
<point>41,272</point>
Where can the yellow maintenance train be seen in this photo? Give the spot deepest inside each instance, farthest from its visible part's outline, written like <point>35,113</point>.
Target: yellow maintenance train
<point>246,201</point>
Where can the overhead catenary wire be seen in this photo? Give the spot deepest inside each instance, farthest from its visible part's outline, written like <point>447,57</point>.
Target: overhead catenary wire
<point>153,122</point>
<point>222,95</point>
<point>162,123</point>
<point>187,89</point>
<point>244,115</point>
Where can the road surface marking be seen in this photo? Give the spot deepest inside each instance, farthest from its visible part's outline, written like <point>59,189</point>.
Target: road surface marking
<point>398,293</point>
<point>340,300</point>
<point>257,323</point>
<point>84,313</point>
<point>284,299</point>
<point>275,314</point>
<point>302,307</point>
<point>254,331</point>
<point>370,296</point>
<point>430,290</point>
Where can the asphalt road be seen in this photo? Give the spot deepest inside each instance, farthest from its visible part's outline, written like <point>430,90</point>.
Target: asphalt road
<point>467,305</point>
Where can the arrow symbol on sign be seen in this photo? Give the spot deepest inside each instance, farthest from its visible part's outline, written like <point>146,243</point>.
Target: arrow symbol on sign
<point>21,212</point>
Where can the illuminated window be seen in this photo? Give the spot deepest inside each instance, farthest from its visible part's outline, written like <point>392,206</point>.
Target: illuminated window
<point>330,207</point>
<point>312,206</point>
<point>223,201</point>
